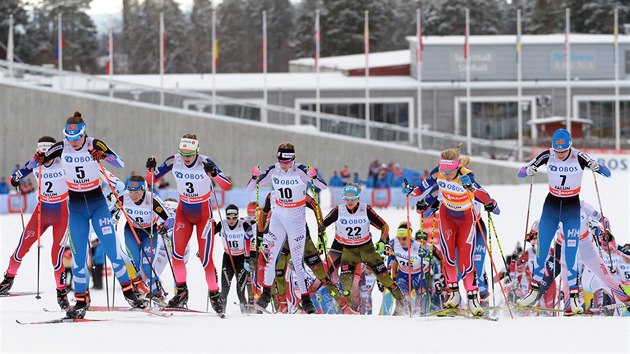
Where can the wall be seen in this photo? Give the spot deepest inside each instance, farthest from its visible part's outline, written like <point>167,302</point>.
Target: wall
<point>137,131</point>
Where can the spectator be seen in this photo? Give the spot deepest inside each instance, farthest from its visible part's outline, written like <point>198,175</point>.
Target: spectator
<point>425,174</point>
<point>397,178</point>
<point>163,184</point>
<point>345,175</point>
<point>336,181</point>
<point>373,173</point>
<point>4,186</point>
<point>98,257</point>
<point>357,180</point>
<point>26,186</point>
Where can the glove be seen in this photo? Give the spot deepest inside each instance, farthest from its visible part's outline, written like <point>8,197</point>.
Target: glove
<point>322,240</point>
<point>408,189</point>
<point>626,249</point>
<point>210,168</point>
<point>490,206</point>
<point>162,230</point>
<point>169,223</point>
<point>531,170</point>
<point>311,173</point>
<point>151,164</point>
<point>15,181</point>
<point>256,172</point>
<point>39,157</point>
<point>593,165</point>
<point>380,286</point>
<point>438,283</point>
<point>97,154</point>
<point>530,236</point>
<point>466,181</point>
<point>380,247</point>
<point>248,264</point>
<point>421,206</point>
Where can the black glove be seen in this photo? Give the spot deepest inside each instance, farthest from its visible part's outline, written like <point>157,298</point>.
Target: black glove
<point>491,206</point>
<point>97,155</point>
<point>422,205</point>
<point>438,283</point>
<point>209,168</point>
<point>162,231</point>
<point>39,157</point>
<point>15,181</point>
<point>151,164</point>
<point>380,286</point>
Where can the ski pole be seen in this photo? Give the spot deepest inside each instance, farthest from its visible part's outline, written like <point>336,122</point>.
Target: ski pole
<point>529,204</point>
<point>127,218</point>
<point>490,253</point>
<point>483,236</point>
<point>39,225</point>
<point>409,265</point>
<point>151,238</point>
<point>601,212</point>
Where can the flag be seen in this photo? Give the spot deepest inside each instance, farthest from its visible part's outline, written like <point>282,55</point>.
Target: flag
<point>109,67</point>
<point>10,41</point>
<point>264,42</point>
<point>316,39</point>
<point>615,36</point>
<point>366,40</point>
<point>162,43</point>
<point>215,52</point>
<point>518,37</point>
<point>566,40</point>
<point>420,46</point>
<point>59,44</point>
<point>466,40</point>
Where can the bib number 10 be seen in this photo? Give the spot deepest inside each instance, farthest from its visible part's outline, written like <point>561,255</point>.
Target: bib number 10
<point>286,193</point>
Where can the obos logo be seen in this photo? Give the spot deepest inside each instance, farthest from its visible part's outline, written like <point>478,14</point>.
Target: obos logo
<point>68,159</point>
<point>442,184</point>
<point>553,168</point>
<point>179,174</point>
<point>343,221</point>
<point>276,181</point>
<point>129,211</point>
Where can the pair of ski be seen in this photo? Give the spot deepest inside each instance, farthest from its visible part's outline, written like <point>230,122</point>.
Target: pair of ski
<point>459,313</point>
<point>154,311</point>
<point>19,293</point>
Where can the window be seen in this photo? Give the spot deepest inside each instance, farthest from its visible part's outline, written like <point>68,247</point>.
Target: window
<point>494,120</point>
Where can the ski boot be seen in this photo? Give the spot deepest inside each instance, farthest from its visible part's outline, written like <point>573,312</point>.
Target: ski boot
<point>216,302</point>
<point>575,303</point>
<point>6,284</point>
<point>134,300</point>
<point>158,298</point>
<point>80,307</point>
<point>473,304</point>
<point>307,304</point>
<point>140,288</point>
<point>454,297</point>
<point>282,304</point>
<point>62,299</point>
<point>532,296</point>
<point>180,300</point>
<point>264,299</point>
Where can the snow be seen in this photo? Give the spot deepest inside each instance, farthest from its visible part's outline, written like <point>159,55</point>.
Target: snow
<point>357,61</point>
<point>186,332</point>
<point>575,38</point>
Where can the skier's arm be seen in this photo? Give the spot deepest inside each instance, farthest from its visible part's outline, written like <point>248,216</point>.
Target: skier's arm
<point>261,180</point>
<point>378,222</point>
<point>221,179</point>
<point>332,217</point>
<point>110,156</point>
<point>161,170</point>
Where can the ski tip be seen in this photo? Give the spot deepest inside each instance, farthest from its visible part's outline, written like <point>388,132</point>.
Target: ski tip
<point>604,171</point>
<point>522,173</point>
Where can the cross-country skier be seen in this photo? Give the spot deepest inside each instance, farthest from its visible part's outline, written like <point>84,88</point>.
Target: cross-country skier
<point>565,166</point>
<point>51,211</point>
<point>458,189</point>
<point>289,180</point>
<point>237,235</point>
<point>193,175</point>
<point>80,156</point>
<point>144,209</point>
<point>352,221</point>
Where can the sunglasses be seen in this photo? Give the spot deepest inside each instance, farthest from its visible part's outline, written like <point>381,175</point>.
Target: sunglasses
<point>350,197</point>
<point>232,217</point>
<point>445,172</point>
<point>190,154</point>
<point>560,151</point>
<point>284,162</point>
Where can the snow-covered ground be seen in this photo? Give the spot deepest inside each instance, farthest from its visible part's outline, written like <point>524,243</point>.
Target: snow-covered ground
<point>186,332</point>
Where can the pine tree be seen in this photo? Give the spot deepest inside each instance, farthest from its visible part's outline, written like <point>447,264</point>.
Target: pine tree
<point>280,28</point>
<point>305,27</point>
<point>547,16</point>
<point>200,39</point>
<point>596,16</point>
<point>231,36</point>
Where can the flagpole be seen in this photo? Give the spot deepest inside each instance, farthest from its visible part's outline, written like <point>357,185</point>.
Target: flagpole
<point>617,118</point>
<point>366,45</point>
<point>162,58</point>
<point>519,86</point>
<point>419,78</point>
<point>468,103</point>
<point>567,60</point>
<point>111,57</point>
<point>215,56</point>
<point>59,43</point>
<point>264,45</point>
<point>317,93</point>
<point>10,46</point>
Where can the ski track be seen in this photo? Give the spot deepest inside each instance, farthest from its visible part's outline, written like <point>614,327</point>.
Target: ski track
<point>138,332</point>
